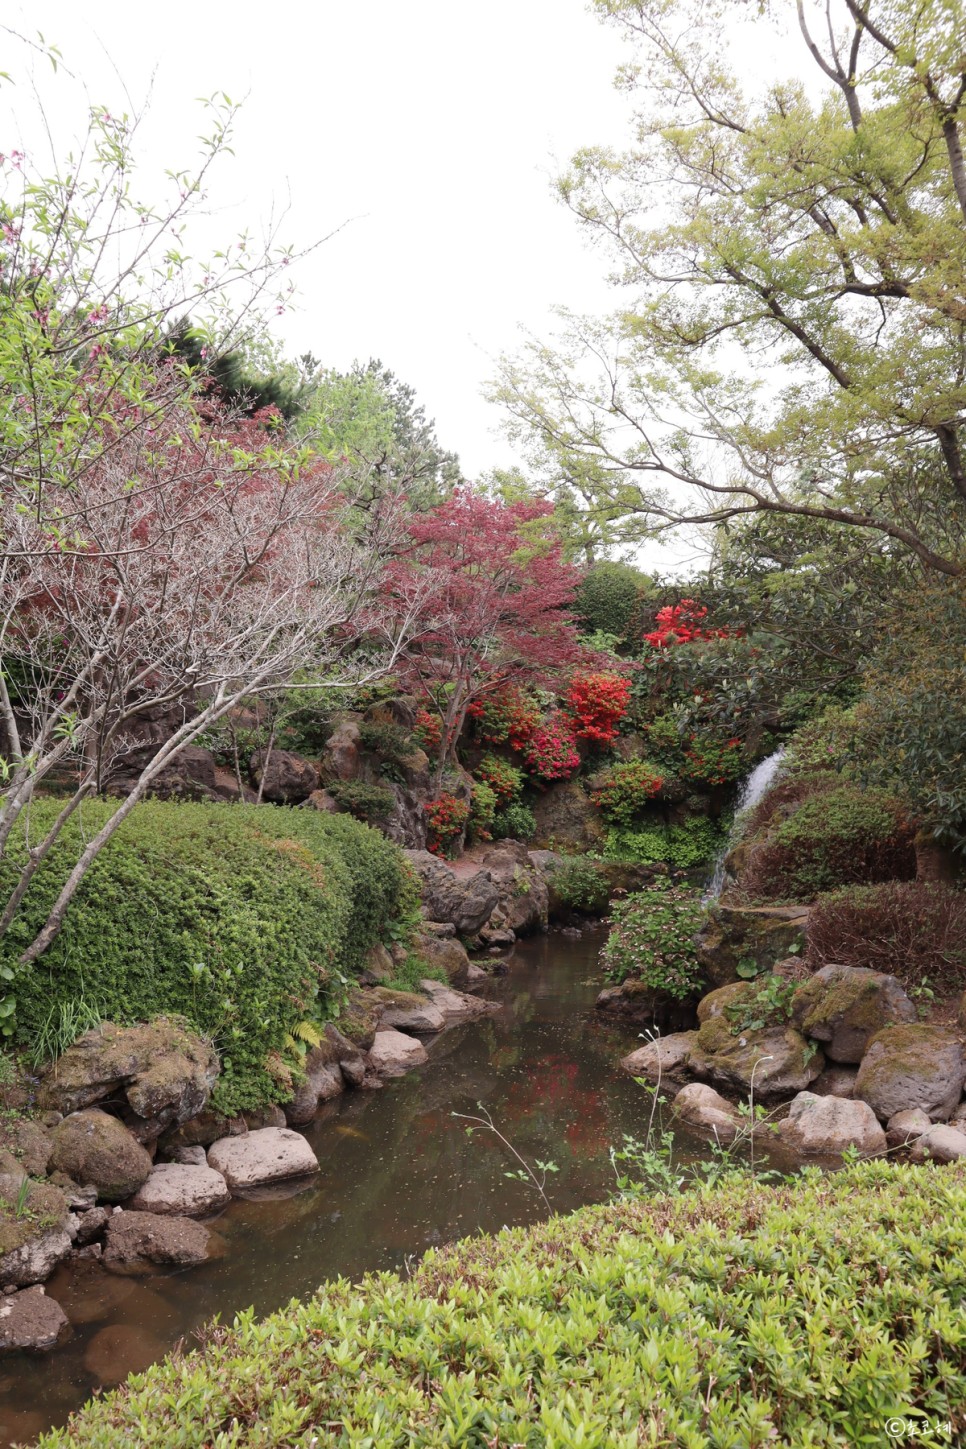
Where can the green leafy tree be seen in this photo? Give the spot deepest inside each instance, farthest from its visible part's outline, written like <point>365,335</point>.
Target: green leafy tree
<point>790,337</point>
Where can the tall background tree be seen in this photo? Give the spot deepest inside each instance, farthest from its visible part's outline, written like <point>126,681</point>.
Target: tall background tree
<point>791,261</point>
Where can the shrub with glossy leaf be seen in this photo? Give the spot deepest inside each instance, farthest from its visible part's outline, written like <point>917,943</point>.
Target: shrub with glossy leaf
<point>243,919</point>
<point>915,930</point>
<point>652,939</point>
<point>806,1313</point>
<point>846,836</point>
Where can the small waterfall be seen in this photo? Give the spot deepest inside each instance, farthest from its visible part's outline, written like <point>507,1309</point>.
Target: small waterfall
<point>751,792</point>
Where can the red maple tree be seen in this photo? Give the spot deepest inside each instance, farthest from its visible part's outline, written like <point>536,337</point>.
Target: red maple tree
<point>488,593</point>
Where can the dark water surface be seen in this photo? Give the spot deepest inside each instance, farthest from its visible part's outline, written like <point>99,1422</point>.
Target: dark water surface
<point>399,1175</point>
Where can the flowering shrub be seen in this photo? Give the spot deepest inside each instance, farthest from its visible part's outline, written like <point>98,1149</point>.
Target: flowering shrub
<point>447,818</point>
<point>652,939</point>
<point>428,730</point>
<point>626,789</point>
<point>681,624</point>
<point>504,779</point>
<point>713,762</point>
<point>509,718</point>
<point>550,751</point>
<point>598,702</point>
<point>483,803</point>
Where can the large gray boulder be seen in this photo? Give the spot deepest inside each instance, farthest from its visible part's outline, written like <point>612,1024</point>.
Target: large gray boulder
<point>523,904</point>
<point>826,1126</point>
<point>30,1320</point>
<point>465,900</point>
<point>913,1066</point>
<point>701,1106</point>
<point>271,1154</point>
<point>941,1143</point>
<point>340,760</point>
<point>94,1148</point>
<point>393,1053</point>
<point>567,818</point>
<point>457,1005</point>
<point>163,1069</point>
<point>844,1007</point>
<point>175,1189</point>
<point>775,1061</point>
<point>283,777</point>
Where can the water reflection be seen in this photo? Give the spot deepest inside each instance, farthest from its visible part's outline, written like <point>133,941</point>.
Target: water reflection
<point>399,1175</point>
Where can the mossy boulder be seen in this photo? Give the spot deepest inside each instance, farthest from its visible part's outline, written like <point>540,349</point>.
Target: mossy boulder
<point>762,934</point>
<point>443,954</point>
<point>35,1239</point>
<point>779,1059</point>
<point>913,1066</point>
<point>94,1148</point>
<point>28,1141</point>
<point>165,1071</point>
<point>844,1007</point>
<point>717,1002</point>
<point>665,1056</point>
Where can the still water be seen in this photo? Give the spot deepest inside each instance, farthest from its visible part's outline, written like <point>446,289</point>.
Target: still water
<point>399,1174</point>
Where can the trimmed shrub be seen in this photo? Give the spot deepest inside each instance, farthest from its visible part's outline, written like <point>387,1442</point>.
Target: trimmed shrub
<point>784,796</point>
<point>516,822</point>
<point>364,801</point>
<point>390,741</point>
<point>843,837</point>
<point>914,930</point>
<point>243,919</point>
<point>652,939</point>
<point>610,598</point>
<point>808,1312</point>
<point>581,885</point>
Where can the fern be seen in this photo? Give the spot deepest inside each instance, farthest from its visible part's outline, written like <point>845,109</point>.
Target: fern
<point>304,1034</point>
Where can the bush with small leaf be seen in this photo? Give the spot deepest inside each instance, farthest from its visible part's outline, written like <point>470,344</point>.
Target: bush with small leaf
<point>514,822</point>
<point>581,884</point>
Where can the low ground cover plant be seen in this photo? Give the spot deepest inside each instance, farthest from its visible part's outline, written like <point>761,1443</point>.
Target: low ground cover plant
<point>736,1314</point>
<point>693,843</point>
<point>243,919</point>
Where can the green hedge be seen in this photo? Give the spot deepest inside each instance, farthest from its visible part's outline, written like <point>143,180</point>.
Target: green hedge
<point>846,836</point>
<point>243,919</point>
<point>806,1314</point>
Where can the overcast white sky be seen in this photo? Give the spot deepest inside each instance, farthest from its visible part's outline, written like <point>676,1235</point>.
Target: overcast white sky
<point>432,128</point>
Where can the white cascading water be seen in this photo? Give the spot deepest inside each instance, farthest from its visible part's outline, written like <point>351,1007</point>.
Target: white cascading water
<point>751,792</point>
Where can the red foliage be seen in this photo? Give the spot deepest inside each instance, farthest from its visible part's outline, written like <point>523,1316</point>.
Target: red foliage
<point>489,592</point>
<point>428,730</point>
<point>551,751</point>
<point>682,623</point>
<point>598,702</point>
<point>446,817</point>
<point>509,718</point>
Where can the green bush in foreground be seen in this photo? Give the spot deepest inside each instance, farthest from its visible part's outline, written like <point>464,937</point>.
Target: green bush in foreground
<point>745,1315</point>
<point>242,919</point>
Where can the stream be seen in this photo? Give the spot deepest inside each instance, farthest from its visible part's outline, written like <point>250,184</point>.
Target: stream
<point>399,1175</point>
